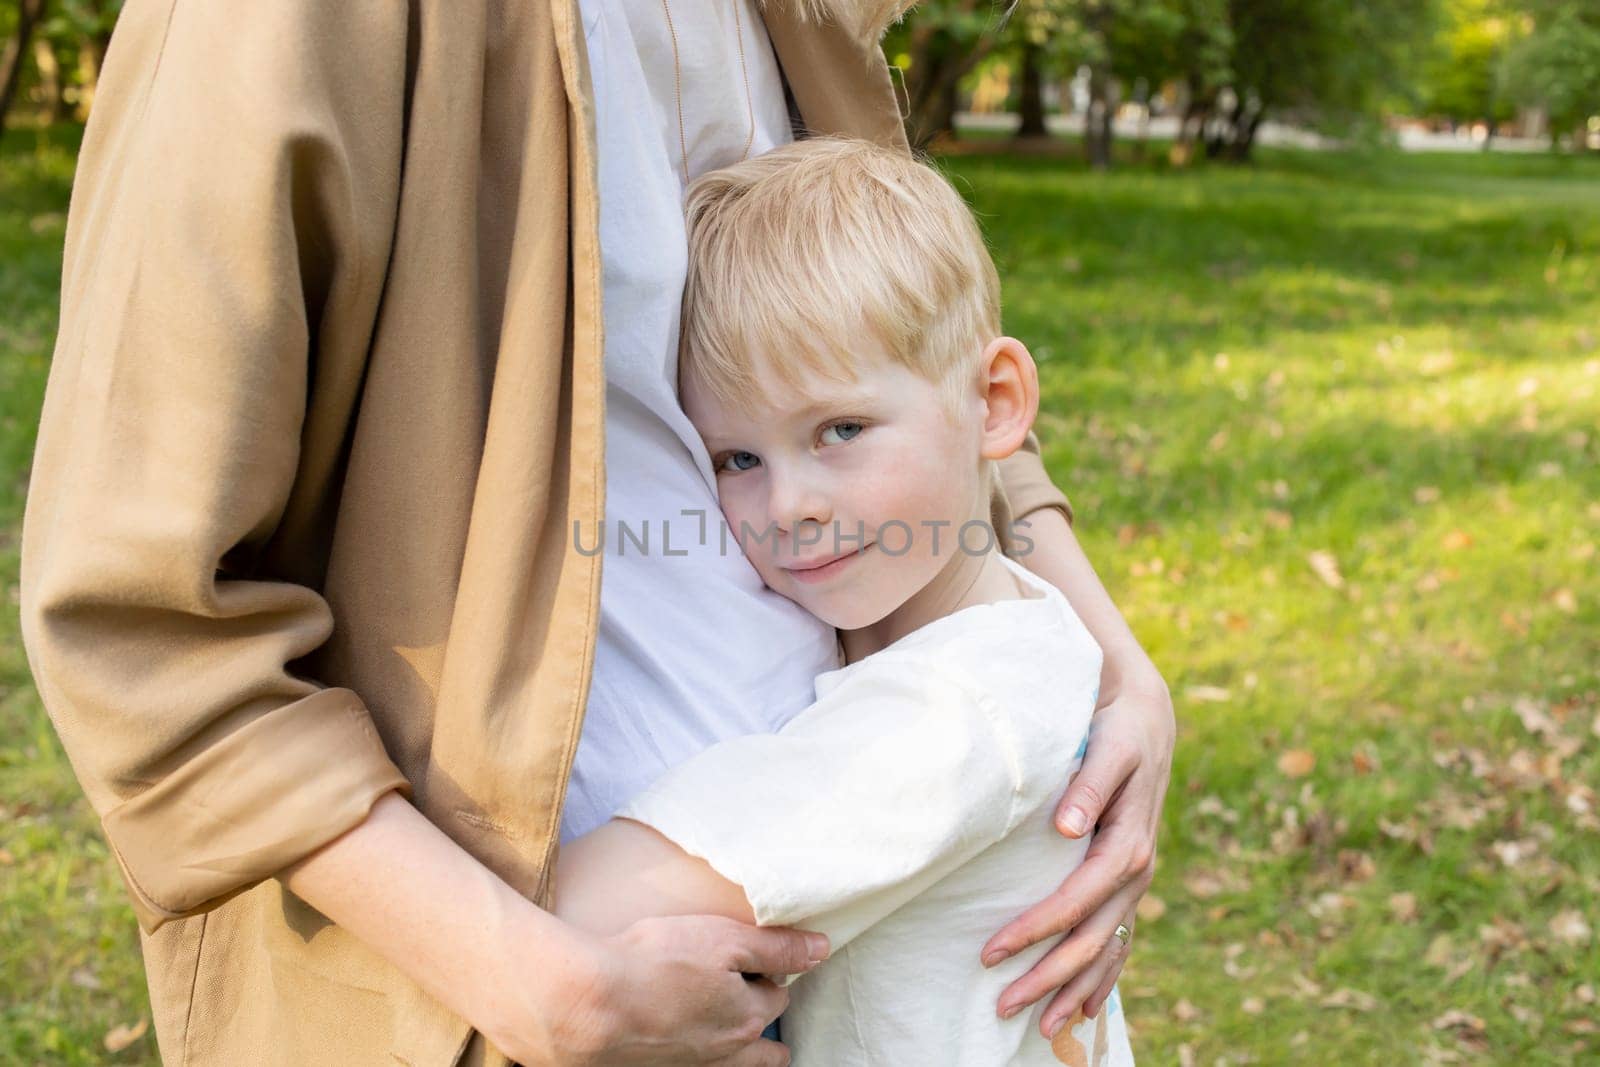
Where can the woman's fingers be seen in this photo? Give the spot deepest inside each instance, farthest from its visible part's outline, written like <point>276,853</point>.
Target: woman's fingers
<point>759,1054</point>
<point>1078,994</point>
<point>1077,952</point>
<point>1102,993</point>
<point>1119,856</point>
<point>778,950</point>
<point>1106,766</point>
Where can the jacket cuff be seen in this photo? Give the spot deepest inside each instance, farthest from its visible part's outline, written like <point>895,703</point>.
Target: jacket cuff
<point>264,796</point>
<point>1027,484</point>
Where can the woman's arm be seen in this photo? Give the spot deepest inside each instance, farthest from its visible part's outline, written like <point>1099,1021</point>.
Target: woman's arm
<point>1119,792</point>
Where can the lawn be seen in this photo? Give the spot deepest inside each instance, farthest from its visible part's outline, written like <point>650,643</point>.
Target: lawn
<point>1332,428</point>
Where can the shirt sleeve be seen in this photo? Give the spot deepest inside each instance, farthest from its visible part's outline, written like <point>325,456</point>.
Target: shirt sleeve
<point>230,215</point>
<point>894,779</point>
<point>1027,485</point>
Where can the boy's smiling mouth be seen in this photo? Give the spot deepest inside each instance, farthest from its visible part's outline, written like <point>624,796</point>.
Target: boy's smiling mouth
<point>822,568</point>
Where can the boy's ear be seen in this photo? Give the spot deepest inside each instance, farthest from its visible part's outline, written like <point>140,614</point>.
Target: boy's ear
<point>1010,383</point>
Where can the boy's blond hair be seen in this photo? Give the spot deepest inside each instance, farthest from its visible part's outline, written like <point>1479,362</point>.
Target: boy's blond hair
<point>796,252</point>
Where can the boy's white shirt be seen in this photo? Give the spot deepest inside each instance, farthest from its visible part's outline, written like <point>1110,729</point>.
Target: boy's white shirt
<point>907,815</point>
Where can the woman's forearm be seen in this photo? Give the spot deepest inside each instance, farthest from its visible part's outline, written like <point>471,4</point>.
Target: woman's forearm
<point>1057,557</point>
<point>400,884</point>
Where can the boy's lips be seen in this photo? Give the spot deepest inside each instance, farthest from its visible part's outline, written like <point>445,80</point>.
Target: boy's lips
<point>822,568</point>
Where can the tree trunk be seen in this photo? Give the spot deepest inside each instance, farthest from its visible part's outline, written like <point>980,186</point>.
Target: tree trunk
<point>938,63</point>
<point>49,67</point>
<point>29,13</point>
<point>1031,105</point>
<point>1097,127</point>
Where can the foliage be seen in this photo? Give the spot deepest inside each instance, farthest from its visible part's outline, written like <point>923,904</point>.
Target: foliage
<point>1556,66</point>
<point>1461,78</point>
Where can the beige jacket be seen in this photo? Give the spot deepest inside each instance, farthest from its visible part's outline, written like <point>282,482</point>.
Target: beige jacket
<point>325,405</point>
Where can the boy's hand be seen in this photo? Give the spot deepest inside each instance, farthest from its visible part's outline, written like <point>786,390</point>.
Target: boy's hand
<point>1119,791</point>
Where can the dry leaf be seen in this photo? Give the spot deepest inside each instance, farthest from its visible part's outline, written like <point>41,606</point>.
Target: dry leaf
<point>1458,1020</point>
<point>1569,926</point>
<point>1326,568</point>
<point>1208,694</point>
<point>1356,866</point>
<point>1297,762</point>
<point>1403,906</point>
<point>1278,520</point>
<point>1151,908</point>
<point>120,1037</point>
<point>1349,998</point>
<point>1252,1006</point>
<point>1565,601</point>
<point>1185,1012</point>
<point>1456,540</point>
<point>1426,494</point>
<point>84,978</point>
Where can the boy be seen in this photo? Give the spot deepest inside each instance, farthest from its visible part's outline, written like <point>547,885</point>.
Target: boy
<point>842,362</point>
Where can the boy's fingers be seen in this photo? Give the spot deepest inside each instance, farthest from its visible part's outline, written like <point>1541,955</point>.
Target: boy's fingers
<point>774,950</point>
<point>1105,769</point>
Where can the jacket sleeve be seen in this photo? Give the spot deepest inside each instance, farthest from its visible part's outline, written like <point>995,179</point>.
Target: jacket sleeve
<point>220,232</point>
<point>1027,485</point>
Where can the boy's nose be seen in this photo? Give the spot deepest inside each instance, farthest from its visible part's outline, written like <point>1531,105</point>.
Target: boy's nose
<point>795,501</point>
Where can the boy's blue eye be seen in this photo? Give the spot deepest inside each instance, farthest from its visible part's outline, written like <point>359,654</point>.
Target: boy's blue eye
<point>739,461</point>
<point>844,431</point>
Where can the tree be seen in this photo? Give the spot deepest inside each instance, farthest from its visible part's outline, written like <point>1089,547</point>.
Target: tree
<point>1556,64</point>
<point>1461,78</point>
<point>16,53</point>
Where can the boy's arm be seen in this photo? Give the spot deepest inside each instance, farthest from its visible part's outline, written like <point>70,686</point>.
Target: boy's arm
<point>625,871</point>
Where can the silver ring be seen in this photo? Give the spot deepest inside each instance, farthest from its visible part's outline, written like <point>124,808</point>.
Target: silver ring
<point>1123,933</point>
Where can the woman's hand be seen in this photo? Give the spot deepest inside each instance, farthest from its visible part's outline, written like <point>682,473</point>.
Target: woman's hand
<point>665,991</point>
<point>1120,787</point>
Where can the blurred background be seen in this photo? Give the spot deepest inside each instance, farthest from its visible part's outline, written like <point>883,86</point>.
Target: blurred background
<point>1314,287</point>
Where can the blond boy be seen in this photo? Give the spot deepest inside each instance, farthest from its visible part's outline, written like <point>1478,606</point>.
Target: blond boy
<point>843,363</point>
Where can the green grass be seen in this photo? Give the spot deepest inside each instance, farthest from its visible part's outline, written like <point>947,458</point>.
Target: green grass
<point>1387,363</point>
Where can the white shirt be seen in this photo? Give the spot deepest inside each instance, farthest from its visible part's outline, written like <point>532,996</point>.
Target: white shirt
<point>906,814</point>
<point>692,648</point>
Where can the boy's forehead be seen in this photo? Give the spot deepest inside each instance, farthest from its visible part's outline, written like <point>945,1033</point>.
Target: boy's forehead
<point>799,392</point>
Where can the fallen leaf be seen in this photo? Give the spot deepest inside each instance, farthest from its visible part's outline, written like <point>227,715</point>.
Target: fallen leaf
<point>1297,762</point>
<point>120,1037</point>
<point>1356,866</point>
<point>1252,1006</point>
<point>1278,520</point>
<point>1349,998</point>
<point>84,978</point>
<point>1185,1012</point>
<point>1403,907</point>
<point>1208,694</point>
<point>1459,1021</point>
<point>1151,908</point>
<point>1565,601</point>
<point>1456,540</point>
<point>1569,926</point>
<point>1326,567</point>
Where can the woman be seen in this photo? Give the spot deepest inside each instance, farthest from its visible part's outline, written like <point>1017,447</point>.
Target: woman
<point>325,408</point>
